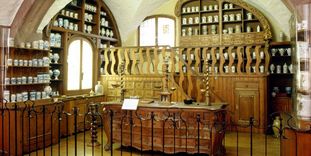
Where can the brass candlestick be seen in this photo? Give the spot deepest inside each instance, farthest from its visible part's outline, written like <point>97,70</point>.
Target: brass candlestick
<point>165,94</point>
<point>206,84</point>
<point>121,84</point>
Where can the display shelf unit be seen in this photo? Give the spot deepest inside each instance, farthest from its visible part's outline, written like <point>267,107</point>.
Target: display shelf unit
<point>94,21</point>
<point>19,78</point>
<point>235,19</point>
<point>281,77</point>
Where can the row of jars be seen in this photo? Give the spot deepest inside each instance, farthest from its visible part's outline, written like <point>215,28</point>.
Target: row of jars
<point>56,39</point>
<point>60,22</point>
<point>88,17</point>
<point>88,28</point>
<point>206,8</point>
<point>281,69</point>
<point>24,96</point>
<point>204,19</point>
<point>40,78</point>
<point>38,44</point>
<point>90,7</point>
<point>281,51</point>
<point>225,55</point>
<point>70,14</point>
<point>44,62</point>
<point>190,31</point>
<point>226,69</point>
<point>106,32</point>
<point>197,8</point>
<point>104,22</point>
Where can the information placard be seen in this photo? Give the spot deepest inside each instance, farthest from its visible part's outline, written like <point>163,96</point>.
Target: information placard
<point>130,104</point>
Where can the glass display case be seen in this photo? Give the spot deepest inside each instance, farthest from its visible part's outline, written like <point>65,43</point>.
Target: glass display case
<point>303,66</point>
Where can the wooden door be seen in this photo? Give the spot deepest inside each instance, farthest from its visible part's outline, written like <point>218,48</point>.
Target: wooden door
<point>247,105</point>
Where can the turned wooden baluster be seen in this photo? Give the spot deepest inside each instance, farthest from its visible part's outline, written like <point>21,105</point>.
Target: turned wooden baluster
<point>141,61</point>
<point>249,59</point>
<point>189,72</point>
<point>240,59</point>
<point>222,60</point>
<point>107,61</point>
<point>133,56</point>
<point>214,60</point>
<point>148,61</point>
<point>127,61</point>
<point>267,57</point>
<point>181,71</point>
<point>258,59</point>
<point>231,60</point>
<point>156,61</point>
<point>113,61</point>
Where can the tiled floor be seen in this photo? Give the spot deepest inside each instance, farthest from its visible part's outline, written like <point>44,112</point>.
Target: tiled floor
<point>230,145</point>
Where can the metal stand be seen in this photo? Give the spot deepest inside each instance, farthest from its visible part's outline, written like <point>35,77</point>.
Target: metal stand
<point>93,112</point>
<point>165,94</point>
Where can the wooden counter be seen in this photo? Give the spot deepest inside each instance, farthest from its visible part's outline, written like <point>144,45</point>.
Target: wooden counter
<point>297,141</point>
<point>29,126</point>
<point>195,128</point>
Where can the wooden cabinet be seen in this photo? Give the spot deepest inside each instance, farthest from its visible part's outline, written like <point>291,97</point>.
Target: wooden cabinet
<point>162,136</point>
<point>26,129</point>
<point>90,19</point>
<point>281,77</point>
<point>205,17</point>
<point>296,143</point>
<point>247,103</point>
<point>218,22</point>
<point>82,104</point>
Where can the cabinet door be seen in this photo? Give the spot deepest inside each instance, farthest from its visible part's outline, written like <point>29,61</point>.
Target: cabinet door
<point>246,105</point>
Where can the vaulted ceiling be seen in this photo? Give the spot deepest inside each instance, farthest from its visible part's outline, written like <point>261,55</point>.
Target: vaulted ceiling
<point>130,13</point>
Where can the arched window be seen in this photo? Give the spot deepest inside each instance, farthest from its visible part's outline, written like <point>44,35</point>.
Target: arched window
<point>156,31</point>
<point>79,65</point>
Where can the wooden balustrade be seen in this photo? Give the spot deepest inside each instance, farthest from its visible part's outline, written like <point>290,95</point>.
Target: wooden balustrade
<point>187,64</point>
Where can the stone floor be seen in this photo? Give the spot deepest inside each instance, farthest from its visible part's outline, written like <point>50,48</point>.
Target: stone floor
<point>230,145</point>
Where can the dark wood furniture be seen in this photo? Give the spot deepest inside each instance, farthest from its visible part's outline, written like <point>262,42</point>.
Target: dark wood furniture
<point>34,125</point>
<point>83,14</point>
<point>163,135</point>
<point>297,141</point>
<point>281,54</point>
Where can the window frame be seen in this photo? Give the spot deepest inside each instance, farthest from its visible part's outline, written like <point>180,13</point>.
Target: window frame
<point>156,27</point>
<point>80,91</point>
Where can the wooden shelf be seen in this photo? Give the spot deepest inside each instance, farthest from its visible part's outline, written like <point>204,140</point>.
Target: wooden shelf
<point>56,64</point>
<point>225,22</point>
<point>31,49</point>
<point>60,29</point>
<point>189,13</point>
<point>27,84</point>
<point>56,47</point>
<point>69,18</point>
<point>284,43</point>
<point>91,12</point>
<point>282,74</point>
<point>209,23</point>
<point>54,80</point>
<point>233,9</point>
<point>91,23</point>
<point>105,27</point>
<point>209,11</point>
<point>73,7</point>
<point>281,57</point>
<point>251,20</point>
<point>187,25</point>
<point>28,66</point>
